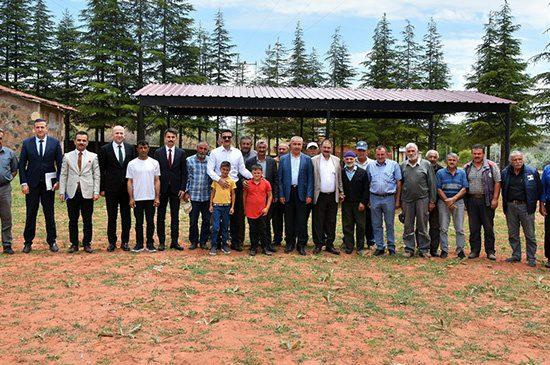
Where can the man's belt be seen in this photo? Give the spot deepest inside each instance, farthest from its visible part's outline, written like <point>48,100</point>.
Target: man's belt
<point>519,202</point>
<point>383,195</point>
<point>477,196</point>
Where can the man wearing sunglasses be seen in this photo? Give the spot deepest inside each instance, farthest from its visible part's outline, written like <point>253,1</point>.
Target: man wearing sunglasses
<point>226,152</point>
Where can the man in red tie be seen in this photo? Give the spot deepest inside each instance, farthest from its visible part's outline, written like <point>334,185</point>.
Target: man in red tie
<point>173,180</point>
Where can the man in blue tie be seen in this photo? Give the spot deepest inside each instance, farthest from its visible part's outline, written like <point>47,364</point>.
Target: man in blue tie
<point>296,192</point>
<point>40,155</point>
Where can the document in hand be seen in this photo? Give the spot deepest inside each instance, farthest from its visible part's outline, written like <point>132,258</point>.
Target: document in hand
<point>51,180</point>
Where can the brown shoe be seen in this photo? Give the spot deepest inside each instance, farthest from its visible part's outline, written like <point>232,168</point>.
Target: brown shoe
<point>88,249</point>
<point>73,248</point>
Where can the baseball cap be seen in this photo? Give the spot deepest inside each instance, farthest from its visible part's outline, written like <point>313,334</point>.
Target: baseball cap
<point>312,144</point>
<point>362,145</point>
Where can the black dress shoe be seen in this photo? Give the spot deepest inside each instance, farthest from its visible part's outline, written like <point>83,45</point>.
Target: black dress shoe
<point>348,251</point>
<point>88,249</point>
<point>435,254</point>
<point>73,248</point>
<point>8,250</point>
<point>193,246</point>
<point>53,247</point>
<point>203,246</point>
<point>473,255</point>
<point>252,252</point>
<point>176,247</point>
<point>378,252</point>
<point>443,255</point>
<point>27,247</point>
<point>237,248</point>
<point>111,247</point>
<point>267,252</point>
<point>332,250</point>
<point>289,248</point>
<point>161,247</point>
<point>125,246</point>
<point>391,252</point>
<point>461,255</point>
<point>317,250</point>
<point>302,251</point>
<point>271,248</point>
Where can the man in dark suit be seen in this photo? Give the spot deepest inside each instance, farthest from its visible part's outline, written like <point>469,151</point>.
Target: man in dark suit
<point>40,155</point>
<point>269,168</point>
<point>173,180</point>
<point>356,196</point>
<point>113,160</point>
<point>295,185</point>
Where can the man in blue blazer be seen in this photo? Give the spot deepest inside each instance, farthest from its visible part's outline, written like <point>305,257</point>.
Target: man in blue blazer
<point>173,180</point>
<point>295,192</point>
<point>40,155</point>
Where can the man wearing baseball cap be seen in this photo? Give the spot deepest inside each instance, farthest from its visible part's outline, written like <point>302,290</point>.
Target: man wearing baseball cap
<point>361,161</point>
<point>312,149</point>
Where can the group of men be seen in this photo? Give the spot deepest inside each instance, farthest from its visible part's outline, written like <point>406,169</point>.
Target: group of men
<point>314,183</point>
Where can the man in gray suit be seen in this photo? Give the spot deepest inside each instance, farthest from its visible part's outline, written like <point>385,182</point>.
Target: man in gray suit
<point>79,187</point>
<point>327,192</point>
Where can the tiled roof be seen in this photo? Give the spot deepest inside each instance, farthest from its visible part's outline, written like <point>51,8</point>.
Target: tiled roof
<point>23,95</point>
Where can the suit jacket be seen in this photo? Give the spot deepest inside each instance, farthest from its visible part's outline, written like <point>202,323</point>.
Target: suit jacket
<point>88,177</point>
<point>316,161</point>
<point>305,177</point>
<point>172,179</point>
<point>356,190</point>
<point>270,173</point>
<point>113,174</point>
<point>32,167</point>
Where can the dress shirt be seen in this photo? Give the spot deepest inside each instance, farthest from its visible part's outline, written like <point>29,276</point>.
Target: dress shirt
<point>327,174</point>
<point>234,157</point>
<point>170,162</point>
<point>84,158</point>
<point>351,173</point>
<point>295,168</point>
<point>384,177</point>
<point>37,140</point>
<point>115,148</point>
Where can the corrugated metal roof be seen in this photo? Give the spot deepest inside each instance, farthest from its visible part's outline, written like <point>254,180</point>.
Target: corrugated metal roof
<point>267,92</point>
<point>31,97</point>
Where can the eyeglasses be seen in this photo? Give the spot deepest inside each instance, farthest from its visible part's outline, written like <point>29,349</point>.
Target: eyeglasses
<point>226,138</point>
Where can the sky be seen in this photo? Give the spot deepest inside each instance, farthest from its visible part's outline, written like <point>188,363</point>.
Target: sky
<point>254,24</point>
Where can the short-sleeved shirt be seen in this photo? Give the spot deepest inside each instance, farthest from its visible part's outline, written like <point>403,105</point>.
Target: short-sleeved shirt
<point>142,173</point>
<point>384,177</point>
<point>8,165</point>
<point>475,178</point>
<point>451,184</point>
<point>256,198</point>
<point>223,195</point>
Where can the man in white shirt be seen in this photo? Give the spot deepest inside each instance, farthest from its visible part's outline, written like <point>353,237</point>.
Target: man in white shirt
<point>143,174</point>
<point>226,152</point>
<point>362,160</point>
<point>328,191</point>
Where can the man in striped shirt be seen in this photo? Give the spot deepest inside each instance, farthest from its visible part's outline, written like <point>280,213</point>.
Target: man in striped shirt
<point>198,191</point>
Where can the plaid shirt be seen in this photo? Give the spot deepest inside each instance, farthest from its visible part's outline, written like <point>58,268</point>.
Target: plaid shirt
<point>198,181</point>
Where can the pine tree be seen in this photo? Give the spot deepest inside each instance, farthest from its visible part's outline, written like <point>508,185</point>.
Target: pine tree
<point>436,76</point>
<point>541,98</point>
<point>338,57</point>
<point>205,65</point>
<point>501,72</point>
<point>408,54</point>
<point>298,67</point>
<point>222,55</point>
<point>315,75</point>
<point>40,51</point>
<point>14,42</point>
<point>273,67</point>
<point>381,62</point>
<point>67,60</point>
<point>435,70</point>
<point>108,49</point>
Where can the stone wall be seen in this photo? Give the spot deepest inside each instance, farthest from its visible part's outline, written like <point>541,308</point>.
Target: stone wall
<point>16,119</point>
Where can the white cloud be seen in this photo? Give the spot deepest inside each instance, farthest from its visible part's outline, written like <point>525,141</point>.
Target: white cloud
<point>532,13</point>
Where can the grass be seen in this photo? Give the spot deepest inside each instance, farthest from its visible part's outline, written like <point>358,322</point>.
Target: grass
<point>171,307</point>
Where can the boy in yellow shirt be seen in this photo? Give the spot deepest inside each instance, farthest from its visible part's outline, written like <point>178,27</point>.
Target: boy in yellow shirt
<point>222,203</point>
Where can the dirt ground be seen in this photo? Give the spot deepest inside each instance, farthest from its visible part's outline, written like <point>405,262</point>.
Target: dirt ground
<point>187,308</point>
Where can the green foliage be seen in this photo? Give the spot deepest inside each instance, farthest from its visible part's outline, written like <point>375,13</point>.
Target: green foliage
<point>435,70</point>
<point>273,67</point>
<point>541,99</point>
<point>409,60</point>
<point>222,55</point>
<point>341,71</point>
<point>297,63</point>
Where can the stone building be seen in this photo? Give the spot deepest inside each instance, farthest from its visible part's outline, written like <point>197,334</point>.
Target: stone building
<point>18,110</point>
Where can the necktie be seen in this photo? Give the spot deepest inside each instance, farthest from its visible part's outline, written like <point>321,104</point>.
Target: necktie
<point>169,158</point>
<point>41,148</point>
<point>120,158</point>
<point>80,161</point>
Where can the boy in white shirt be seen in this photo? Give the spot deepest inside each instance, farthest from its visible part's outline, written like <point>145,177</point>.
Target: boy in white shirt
<point>143,174</point>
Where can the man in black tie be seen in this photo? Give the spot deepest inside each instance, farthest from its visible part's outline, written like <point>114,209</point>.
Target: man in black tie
<point>40,155</point>
<point>173,180</point>
<point>113,160</point>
